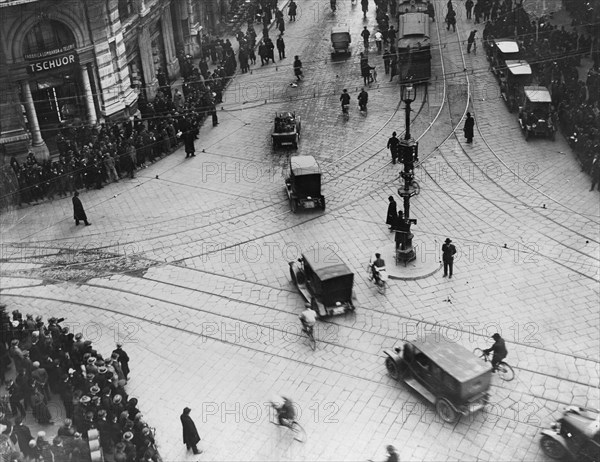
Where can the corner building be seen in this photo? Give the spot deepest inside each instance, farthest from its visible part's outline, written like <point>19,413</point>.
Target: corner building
<point>81,62</point>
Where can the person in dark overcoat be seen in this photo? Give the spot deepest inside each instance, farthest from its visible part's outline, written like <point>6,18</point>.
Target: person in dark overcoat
<point>78,212</point>
<point>190,435</point>
<point>123,359</point>
<point>392,213</point>
<point>189,137</point>
<point>468,128</point>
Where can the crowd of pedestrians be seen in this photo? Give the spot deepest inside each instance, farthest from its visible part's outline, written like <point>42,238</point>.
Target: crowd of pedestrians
<point>50,364</point>
<point>92,156</point>
<point>554,54</point>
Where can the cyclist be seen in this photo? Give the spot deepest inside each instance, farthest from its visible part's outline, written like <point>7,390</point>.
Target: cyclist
<point>499,349</point>
<point>377,265</point>
<point>286,413</point>
<point>308,318</point>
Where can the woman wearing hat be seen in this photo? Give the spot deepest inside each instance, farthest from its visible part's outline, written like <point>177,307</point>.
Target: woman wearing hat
<point>448,251</point>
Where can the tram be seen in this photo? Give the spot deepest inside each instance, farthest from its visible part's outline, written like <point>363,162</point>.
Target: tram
<point>414,44</point>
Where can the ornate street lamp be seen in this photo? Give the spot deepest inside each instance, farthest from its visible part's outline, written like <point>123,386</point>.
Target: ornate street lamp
<point>408,154</point>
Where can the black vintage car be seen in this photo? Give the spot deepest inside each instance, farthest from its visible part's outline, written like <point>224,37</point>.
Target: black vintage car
<point>444,373</point>
<point>575,436</point>
<point>325,281</point>
<point>303,186</point>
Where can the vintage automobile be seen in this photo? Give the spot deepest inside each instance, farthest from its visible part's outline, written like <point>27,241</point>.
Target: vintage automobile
<point>286,129</point>
<point>303,186</point>
<point>340,40</point>
<point>575,436</point>
<point>444,373</point>
<point>513,77</point>
<point>536,115</point>
<point>325,281</point>
<point>501,50</point>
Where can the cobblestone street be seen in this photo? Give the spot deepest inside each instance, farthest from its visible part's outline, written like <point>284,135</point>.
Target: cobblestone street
<point>187,264</point>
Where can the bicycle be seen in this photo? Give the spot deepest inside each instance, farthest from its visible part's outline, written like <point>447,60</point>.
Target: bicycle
<point>309,331</point>
<point>293,425</point>
<point>505,371</point>
<point>345,113</point>
<point>380,280</point>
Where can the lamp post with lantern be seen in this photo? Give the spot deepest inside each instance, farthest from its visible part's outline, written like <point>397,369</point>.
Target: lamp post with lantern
<point>408,154</point>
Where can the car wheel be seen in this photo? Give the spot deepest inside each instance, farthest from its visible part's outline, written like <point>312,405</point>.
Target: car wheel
<point>553,135</point>
<point>552,448</point>
<point>445,411</point>
<point>323,203</point>
<point>314,305</point>
<point>527,135</point>
<point>293,205</point>
<point>392,368</point>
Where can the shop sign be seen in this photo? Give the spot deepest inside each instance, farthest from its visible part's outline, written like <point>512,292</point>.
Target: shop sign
<point>45,54</point>
<point>53,63</point>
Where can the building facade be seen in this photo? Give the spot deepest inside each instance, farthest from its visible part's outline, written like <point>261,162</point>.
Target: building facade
<point>83,61</point>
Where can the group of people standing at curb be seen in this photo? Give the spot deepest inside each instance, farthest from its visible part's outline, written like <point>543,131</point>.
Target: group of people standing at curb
<point>50,362</point>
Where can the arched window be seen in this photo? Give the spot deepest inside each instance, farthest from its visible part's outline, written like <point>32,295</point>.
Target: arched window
<point>47,35</point>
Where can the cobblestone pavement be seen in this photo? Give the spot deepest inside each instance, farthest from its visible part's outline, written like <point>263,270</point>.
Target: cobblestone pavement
<point>187,264</point>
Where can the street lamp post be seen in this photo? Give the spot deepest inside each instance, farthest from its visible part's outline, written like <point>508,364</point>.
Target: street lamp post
<point>408,148</point>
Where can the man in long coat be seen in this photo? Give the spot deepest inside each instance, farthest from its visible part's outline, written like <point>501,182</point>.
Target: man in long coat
<point>78,212</point>
<point>190,434</point>
<point>392,213</point>
<point>468,128</point>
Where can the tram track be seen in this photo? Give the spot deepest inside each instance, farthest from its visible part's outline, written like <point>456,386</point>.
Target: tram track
<point>368,375</point>
<point>143,287</point>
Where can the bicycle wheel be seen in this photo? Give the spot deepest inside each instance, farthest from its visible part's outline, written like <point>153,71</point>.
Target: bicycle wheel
<point>505,371</point>
<point>299,433</point>
<point>480,354</point>
<point>312,341</point>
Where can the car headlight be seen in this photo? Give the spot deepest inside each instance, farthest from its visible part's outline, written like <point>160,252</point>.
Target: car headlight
<point>534,125</point>
<point>541,121</point>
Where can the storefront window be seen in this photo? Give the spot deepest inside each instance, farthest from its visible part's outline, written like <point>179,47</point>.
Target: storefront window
<point>47,35</point>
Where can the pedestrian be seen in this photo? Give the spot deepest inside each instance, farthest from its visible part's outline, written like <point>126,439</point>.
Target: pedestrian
<point>431,11</point>
<point>190,434</point>
<point>263,52</point>
<point>213,112</point>
<point>392,454</point>
<point>391,34</point>
<point>365,7</point>
<point>393,145</point>
<point>123,359</point>
<point>468,128</point>
<point>281,25</point>
<point>281,47</point>
<point>477,12</point>
<point>469,8</point>
<point>387,57</point>
<point>365,34</point>
<point>392,213</point>
<point>189,136</point>
<point>23,436</point>
<point>297,67</point>
<point>379,41</point>
<point>451,20</point>
<point>448,252</point>
<point>78,212</point>
<point>471,42</point>
<point>292,8</point>
<point>363,99</point>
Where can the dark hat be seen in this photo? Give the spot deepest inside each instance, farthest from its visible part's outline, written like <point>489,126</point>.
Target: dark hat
<point>448,240</point>
<point>496,336</point>
<point>186,410</point>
